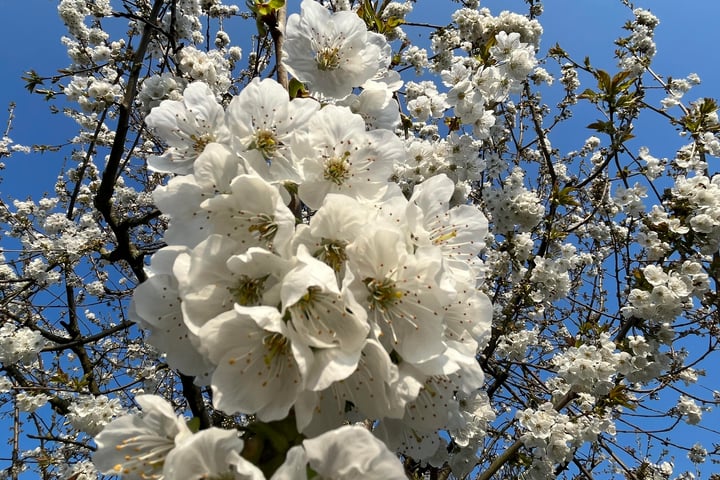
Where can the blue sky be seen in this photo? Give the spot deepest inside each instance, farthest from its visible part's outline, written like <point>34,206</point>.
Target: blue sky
<point>686,40</point>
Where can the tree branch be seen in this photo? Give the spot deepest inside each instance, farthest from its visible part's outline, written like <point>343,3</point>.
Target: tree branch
<point>125,249</point>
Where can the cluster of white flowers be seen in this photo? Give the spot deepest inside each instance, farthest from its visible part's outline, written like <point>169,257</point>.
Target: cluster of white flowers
<point>555,436</point>
<point>478,26</point>
<point>513,206</point>
<point>697,454</point>
<point>29,402</point>
<point>87,45</point>
<point>299,276</point>
<point>659,471</point>
<point>185,21</point>
<point>212,68</point>
<point>157,88</point>
<point>89,414</point>
<point>19,345</point>
<point>666,293</point>
<point>514,345</point>
<point>696,201</point>
<point>157,444</point>
<point>357,284</point>
<point>647,359</point>
<point>455,156</point>
<point>60,240</point>
<point>8,146</point>
<point>687,407</point>
<point>640,43</point>
<point>677,88</point>
<point>322,268</point>
<point>550,276</point>
<point>475,87</point>
<point>424,101</point>
<point>84,470</point>
<point>654,167</point>
<point>593,368</point>
<point>631,199</point>
<point>74,12</point>
<point>93,94</point>
<point>5,384</point>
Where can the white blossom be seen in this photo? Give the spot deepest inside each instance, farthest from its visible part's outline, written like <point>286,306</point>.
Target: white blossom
<point>187,126</point>
<point>136,446</point>
<point>332,52</point>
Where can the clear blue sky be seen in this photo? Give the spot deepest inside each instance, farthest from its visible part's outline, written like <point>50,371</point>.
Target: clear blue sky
<point>686,39</point>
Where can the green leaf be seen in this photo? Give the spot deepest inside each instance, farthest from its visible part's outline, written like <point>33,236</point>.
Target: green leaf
<point>564,197</point>
<point>393,22</point>
<point>589,94</point>
<point>604,81</point>
<point>557,51</point>
<point>193,424</point>
<point>32,80</point>
<point>708,106</point>
<point>618,82</point>
<point>625,101</point>
<point>602,127</point>
<point>265,8</point>
<point>296,88</point>
<point>624,137</point>
<point>617,396</point>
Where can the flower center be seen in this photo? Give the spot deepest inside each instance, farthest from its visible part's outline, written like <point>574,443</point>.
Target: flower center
<point>444,237</point>
<point>263,227</point>
<point>201,141</point>
<point>248,291</point>
<point>332,252</point>
<point>328,59</point>
<point>309,298</point>
<point>383,293</point>
<point>337,169</point>
<point>144,453</point>
<point>276,345</point>
<point>265,142</point>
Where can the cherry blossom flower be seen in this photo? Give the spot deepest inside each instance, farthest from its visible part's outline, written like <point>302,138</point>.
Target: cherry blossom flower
<point>90,413</point>
<point>213,172</point>
<point>136,446</point>
<point>335,225</point>
<point>401,292</point>
<point>211,453</point>
<point>263,119</point>
<point>156,306</point>
<point>219,273</point>
<point>458,231</point>
<point>376,389</point>
<point>321,314</point>
<point>332,52</point>
<point>252,213</point>
<point>260,364</point>
<point>19,344</point>
<point>187,126</point>
<point>350,452</point>
<point>341,157</point>
<point>205,284</point>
